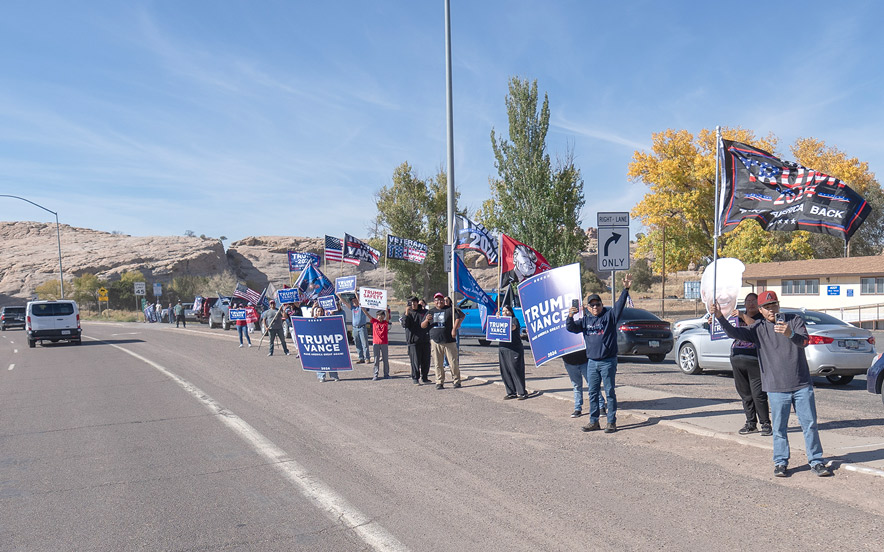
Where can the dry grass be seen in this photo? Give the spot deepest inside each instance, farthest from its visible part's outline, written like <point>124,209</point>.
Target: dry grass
<point>112,315</point>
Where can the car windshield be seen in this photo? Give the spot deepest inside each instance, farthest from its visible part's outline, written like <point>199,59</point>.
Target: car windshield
<point>53,309</point>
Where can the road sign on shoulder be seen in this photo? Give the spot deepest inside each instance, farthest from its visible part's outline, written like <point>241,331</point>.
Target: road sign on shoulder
<point>613,219</point>
<point>613,251</point>
<point>140,289</point>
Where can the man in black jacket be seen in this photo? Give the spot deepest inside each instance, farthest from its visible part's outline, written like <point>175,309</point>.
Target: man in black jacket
<point>418,339</point>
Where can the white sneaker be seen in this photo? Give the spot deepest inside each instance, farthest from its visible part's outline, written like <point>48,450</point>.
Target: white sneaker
<point>249,345</point>
<point>240,345</point>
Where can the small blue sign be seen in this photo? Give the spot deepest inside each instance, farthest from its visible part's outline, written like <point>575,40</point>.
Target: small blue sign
<point>236,314</point>
<point>328,303</point>
<point>287,295</point>
<point>849,292</point>
<point>716,332</point>
<point>833,290</point>
<point>322,343</point>
<point>498,328</point>
<point>692,289</point>
<point>345,284</point>
<point>157,290</point>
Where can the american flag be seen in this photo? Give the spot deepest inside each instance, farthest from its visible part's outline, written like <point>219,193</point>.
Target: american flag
<point>405,249</point>
<point>334,251</point>
<point>244,292</point>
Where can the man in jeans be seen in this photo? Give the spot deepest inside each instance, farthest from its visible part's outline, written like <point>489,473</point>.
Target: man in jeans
<point>780,340</point>
<point>599,328</point>
<point>273,320</point>
<point>360,331</point>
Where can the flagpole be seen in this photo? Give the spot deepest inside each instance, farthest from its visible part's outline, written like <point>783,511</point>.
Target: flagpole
<point>717,213</point>
<point>343,248</point>
<point>386,254</point>
<point>499,271</point>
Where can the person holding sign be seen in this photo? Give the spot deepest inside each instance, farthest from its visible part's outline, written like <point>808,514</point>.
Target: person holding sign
<point>318,311</point>
<point>512,359</point>
<point>242,328</point>
<point>380,342</point>
<point>360,333</point>
<point>599,328</point>
<point>418,339</point>
<point>272,319</point>
<point>443,323</point>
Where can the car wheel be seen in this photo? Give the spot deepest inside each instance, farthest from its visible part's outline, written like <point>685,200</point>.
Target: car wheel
<point>657,357</point>
<point>32,343</point>
<point>78,342</point>
<point>839,380</point>
<point>484,342</point>
<point>2,328</point>
<point>687,359</point>
<point>225,323</point>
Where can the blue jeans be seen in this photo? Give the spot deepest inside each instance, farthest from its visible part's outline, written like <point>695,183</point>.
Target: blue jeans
<point>243,330</point>
<point>577,373</point>
<point>602,372</point>
<point>805,408</point>
<point>360,339</point>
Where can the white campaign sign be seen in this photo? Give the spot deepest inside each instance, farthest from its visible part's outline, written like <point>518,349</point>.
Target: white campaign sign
<point>373,298</point>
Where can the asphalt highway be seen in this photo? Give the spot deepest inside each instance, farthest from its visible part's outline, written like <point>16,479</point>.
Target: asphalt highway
<point>151,438</point>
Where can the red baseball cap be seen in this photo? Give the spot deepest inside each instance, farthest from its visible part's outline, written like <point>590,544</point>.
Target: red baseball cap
<point>766,297</point>
<point>438,296</point>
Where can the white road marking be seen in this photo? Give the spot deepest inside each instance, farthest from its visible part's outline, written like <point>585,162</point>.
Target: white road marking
<point>335,506</point>
<point>127,333</point>
<point>15,350</point>
<point>11,366</point>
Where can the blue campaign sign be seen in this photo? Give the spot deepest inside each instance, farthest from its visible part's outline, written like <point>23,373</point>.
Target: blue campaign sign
<point>299,260</point>
<point>546,298</point>
<point>498,328</point>
<point>345,284</point>
<point>322,343</point>
<point>237,314</point>
<point>287,295</point>
<point>849,292</point>
<point>328,303</point>
<point>833,290</point>
<point>715,331</point>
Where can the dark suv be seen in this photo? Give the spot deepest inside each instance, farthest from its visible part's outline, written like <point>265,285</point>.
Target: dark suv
<point>10,317</point>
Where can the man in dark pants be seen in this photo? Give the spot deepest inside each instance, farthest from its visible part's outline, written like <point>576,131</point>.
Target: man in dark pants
<point>273,320</point>
<point>747,374</point>
<point>418,339</point>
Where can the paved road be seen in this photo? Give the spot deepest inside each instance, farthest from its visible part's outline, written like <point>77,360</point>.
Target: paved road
<point>200,445</point>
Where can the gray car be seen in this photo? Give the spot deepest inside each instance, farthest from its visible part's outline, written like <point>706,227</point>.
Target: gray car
<point>837,350</point>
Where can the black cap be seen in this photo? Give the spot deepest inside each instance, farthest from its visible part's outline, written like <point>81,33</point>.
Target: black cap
<point>593,297</point>
<point>413,299</point>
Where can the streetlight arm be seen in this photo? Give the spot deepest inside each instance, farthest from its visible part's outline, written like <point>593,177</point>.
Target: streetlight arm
<point>57,237</point>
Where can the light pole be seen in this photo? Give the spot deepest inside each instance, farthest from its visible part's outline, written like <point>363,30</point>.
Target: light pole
<point>57,237</point>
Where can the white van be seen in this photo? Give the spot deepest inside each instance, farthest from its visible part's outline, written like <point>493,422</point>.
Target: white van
<point>53,320</point>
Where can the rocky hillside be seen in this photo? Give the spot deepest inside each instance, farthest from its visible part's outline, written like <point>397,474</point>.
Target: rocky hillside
<point>29,256</point>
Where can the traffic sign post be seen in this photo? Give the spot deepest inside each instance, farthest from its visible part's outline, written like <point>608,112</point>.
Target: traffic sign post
<point>613,246</point>
<point>139,291</point>
<point>102,296</point>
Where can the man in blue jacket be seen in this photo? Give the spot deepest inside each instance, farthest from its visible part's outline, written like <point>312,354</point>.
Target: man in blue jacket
<point>599,328</point>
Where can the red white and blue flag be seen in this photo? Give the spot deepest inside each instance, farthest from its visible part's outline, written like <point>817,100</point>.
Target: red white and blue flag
<point>406,250</point>
<point>244,292</point>
<point>334,251</point>
<point>357,250</point>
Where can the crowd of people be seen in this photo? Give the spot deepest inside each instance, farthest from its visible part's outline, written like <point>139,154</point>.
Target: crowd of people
<point>770,369</point>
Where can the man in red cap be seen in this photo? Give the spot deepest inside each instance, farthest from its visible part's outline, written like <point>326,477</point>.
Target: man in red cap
<point>785,377</point>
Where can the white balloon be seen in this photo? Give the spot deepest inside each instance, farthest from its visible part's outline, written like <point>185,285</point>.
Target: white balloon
<point>728,281</point>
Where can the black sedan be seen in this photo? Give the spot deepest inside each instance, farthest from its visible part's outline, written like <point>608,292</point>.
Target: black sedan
<point>641,333</point>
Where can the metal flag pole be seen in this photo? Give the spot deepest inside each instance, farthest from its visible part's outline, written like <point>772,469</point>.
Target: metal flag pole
<point>499,270</point>
<point>386,255</point>
<point>343,248</point>
<point>450,131</point>
<point>717,214</point>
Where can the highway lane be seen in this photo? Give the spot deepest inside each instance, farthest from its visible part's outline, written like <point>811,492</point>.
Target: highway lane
<point>99,450</point>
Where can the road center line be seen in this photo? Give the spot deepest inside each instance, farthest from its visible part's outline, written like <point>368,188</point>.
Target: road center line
<point>335,506</point>
<point>15,351</point>
<point>11,366</point>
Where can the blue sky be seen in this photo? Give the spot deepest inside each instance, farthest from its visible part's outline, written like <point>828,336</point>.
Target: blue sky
<point>243,118</point>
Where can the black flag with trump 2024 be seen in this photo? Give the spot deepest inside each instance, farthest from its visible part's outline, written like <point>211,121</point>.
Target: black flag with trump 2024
<point>781,195</point>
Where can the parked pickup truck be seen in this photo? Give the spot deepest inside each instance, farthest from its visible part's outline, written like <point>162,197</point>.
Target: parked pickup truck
<point>472,323</point>
<point>218,313</point>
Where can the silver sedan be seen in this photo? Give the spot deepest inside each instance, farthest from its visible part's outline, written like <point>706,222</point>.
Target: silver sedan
<point>837,350</point>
